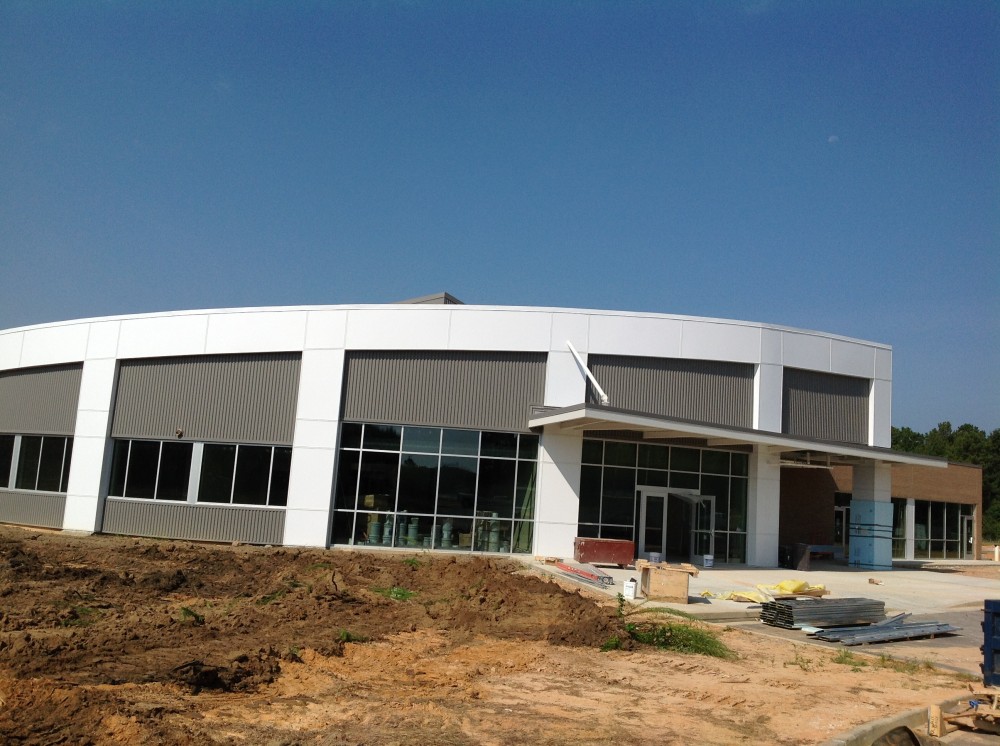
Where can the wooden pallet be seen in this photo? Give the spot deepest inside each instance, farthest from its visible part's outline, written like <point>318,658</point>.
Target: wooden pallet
<point>982,713</point>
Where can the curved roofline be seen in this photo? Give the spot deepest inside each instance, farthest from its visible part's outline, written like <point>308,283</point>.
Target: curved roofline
<point>448,308</point>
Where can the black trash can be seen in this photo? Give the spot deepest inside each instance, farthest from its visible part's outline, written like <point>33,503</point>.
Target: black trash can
<point>800,557</point>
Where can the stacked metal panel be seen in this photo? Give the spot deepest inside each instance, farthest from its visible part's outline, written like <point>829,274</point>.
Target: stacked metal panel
<point>888,631</point>
<point>822,612</point>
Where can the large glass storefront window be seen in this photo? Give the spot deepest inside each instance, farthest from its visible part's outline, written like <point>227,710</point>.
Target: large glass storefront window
<point>435,488</point>
<point>613,472</point>
<point>938,529</point>
<point>35,462</point>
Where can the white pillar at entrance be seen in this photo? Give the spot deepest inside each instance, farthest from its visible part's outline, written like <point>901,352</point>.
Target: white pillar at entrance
<point>763,507</point>
<point>871,517</point>
<point>911,528</point>
<point>557,498</point>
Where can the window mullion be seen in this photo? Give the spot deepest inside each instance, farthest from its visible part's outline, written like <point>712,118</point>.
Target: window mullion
<point>232,482</point>
<point>194,474</point>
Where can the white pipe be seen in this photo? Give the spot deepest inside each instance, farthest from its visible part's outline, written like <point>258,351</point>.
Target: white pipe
<point>590,376</point>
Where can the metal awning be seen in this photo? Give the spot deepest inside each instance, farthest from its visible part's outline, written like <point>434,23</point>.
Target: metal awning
<point>789,449</point>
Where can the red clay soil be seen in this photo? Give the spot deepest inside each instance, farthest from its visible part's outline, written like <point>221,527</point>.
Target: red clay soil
<point>111,640</point>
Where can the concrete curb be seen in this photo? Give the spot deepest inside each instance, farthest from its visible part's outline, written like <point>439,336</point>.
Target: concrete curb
<point>915,720</point>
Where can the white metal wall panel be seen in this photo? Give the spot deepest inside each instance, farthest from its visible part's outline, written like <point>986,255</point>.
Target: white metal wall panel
<point>483,390</point>
<point>40,400</point>
<point>824,405</point>
<point>194,522</point>
<point>230,398</point>
<point>32,508</point>
<point>703,390</point>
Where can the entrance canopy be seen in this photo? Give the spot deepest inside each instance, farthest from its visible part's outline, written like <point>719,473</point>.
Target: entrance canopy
<point>791,450</point>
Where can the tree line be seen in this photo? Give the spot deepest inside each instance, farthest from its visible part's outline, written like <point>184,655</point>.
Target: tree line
<point>967,444</point>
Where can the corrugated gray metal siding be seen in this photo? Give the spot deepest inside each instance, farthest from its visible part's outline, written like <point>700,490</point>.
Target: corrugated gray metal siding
<point>824,405</point>
<point>482,390</point>
<point>228,398</point>
<point>32,508</point>
<point>40,401</point>
<point>166,520</point>
<point>703,390</point>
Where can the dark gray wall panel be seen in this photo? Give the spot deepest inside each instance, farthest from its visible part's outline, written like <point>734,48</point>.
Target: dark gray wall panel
<point>483,390</point>
<point>824,405</point>
<point>195,522</point>
<point>41,401</point>
<point>32,508</point>
<point>703,390</point>
<point>229,398</point>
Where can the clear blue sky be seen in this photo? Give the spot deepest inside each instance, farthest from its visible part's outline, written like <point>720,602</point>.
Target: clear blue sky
<point>825,165</point>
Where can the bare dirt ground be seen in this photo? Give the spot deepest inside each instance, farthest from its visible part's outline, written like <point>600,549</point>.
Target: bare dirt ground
<point>111,640</point>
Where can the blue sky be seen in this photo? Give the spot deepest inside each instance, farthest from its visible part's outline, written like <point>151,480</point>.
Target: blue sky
<point>824,165</point>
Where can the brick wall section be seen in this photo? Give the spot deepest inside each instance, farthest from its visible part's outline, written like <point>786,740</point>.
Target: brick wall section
<point>806,513</point>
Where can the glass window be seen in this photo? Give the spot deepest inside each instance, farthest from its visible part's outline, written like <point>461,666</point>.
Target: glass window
<point>499,445</point>
<point>651,477</point>
<point>27,462</point>
<point>524,497</point>
<point>619,454</point>
<point>460,442</point>
<point>350,435</point>
<point>653,457</point>
<point>281,468</point>
<point>456,533</point>
<point>593,451</point>
<point>253,470</point>
<point>528,447</point>
<point>715,462</point>
<point>382,437</point>
<point>618,496</point>
<point>457,486</point>
<point>737,548</point>
<point>617,532</point>
<point>719,487</point>
<point>6,455</point>
<point>738,504</point>
<point>590,494</point>
<point>684,459</point>
<point>143,460</point>
<point>937,520</point>
<point>418,477</point>
<point>421,439</point>
<point>50,464</point>
<point>740,464</point>
<point>347,480</point>
<point>119,461</point>
<point>217,462</point>
<point>377,485</point>
<point>951,522</point>
<point>683,481</point>
<point>521,539</point>
<point>64,482</point>
<point>496,487</point>
<point>175,471</point>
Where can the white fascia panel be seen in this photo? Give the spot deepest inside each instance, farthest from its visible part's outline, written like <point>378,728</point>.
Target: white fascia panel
<point>85,469</point>
<point>635,335</point>
<point>499,330</point>
<point>315,434</point>
<point>97,383</point>
<point>808,351</point>
<point>880,414</point>
<point>10,349</point>
<point>565,382</point>
<point>770,346</point>
<point>80,513</point>
<point>852,359</point>
<point>310,483</point>
<point>54,344</point>
<point>91,424</point>
<point>767,398</point>
<point>103,340</point>
<point>256,332</point>
<point>417,328</point>
<point>570,327</point>
<point>162,336</point>
<point>306,528</point>
<point>320,381</point>
<point>326,330</point>
<point>702,340</point>
<point>883,364</point>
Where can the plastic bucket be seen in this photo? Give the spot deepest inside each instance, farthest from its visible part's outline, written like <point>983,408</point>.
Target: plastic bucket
<point>709,561</point>
<point>655,557</point>
<point>628,590</point>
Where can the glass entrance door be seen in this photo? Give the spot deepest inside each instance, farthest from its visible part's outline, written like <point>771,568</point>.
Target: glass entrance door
<point>968,538</point>
<point>652,525</point>
<point>676,525</point>
<point>702,534</point>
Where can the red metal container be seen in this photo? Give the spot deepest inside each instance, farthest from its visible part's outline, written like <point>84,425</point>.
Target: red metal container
<point>619,552</point>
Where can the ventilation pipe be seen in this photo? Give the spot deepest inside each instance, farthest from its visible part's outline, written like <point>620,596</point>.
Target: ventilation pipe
<point>590,376</point>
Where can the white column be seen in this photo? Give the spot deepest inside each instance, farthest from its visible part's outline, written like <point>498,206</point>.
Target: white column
<point>871,517</point>
<point>763,509</point>
<point>557,502</point>
<point>314,449</point>
<point>90,466</point>
<point>911,528</point>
